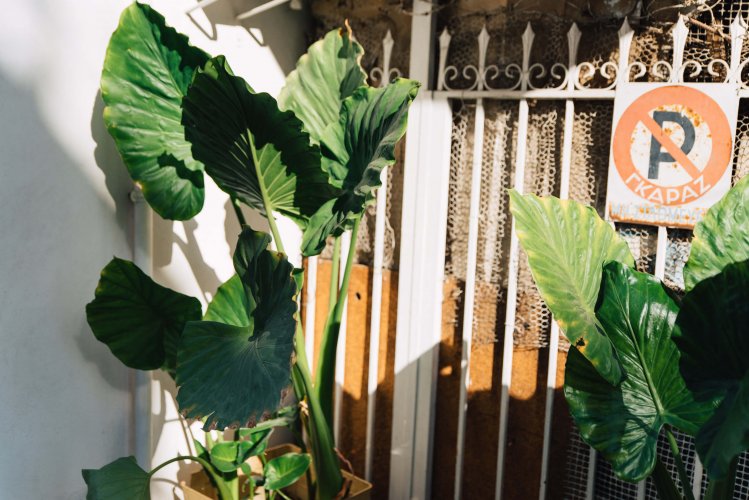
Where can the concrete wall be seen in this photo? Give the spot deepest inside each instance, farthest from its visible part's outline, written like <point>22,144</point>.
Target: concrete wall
<point>65,401</point>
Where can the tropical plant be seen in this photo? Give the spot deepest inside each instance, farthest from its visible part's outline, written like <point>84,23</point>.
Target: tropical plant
<point>314,156</point>
<point>643,360</point>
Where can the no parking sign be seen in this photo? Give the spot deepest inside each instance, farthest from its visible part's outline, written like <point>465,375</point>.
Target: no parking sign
<point>671,152</point>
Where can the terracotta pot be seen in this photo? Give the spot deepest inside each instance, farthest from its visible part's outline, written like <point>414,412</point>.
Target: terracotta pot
<point>200,487</point>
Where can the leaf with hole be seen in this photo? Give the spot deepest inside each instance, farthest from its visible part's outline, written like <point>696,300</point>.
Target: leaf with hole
<point>234,375</point>
<point>623,422</point>
<point>567,244</point>
<point>147,71</point>
<point>713,338</point>
<point>139,320</point>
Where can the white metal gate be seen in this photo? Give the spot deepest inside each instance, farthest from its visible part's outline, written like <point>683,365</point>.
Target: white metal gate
<point>425,211</point>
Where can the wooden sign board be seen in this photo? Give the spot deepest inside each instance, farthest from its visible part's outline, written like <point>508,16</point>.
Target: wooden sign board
<point>671,152</point>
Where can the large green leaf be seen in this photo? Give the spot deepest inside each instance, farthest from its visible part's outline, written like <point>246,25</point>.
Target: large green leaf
<point>285,470</point>
<point>147,70</point>
<point>623,422</point>
<point>567,245</point>
<point>327,74</point>
<point>355,150</point>
<point>253,150</point>
<point>122,479</point>
<point>235,374</point>
<point>721,238</point>
<point>713,338</point>
<point>138,319</point>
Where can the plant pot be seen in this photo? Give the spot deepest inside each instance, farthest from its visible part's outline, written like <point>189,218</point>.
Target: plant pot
<point>200,487</point>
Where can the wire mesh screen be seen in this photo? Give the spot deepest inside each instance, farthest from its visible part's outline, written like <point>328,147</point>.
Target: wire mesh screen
<point>577,467</point>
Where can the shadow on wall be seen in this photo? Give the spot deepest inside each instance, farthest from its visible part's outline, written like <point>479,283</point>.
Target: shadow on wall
<point>267,28</point>
<point>58,232</point>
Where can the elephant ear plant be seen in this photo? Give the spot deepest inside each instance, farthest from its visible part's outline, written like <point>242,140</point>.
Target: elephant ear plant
<point>314,156</point>
<point>644,362</point>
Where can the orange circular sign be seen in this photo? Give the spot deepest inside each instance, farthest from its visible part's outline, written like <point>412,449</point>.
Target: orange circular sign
<point>647,153</point>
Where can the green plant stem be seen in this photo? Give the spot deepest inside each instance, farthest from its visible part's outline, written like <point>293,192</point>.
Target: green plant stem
<point>722,489</point>
<point>324,456</point>
<point>283,495</point>
<point>238,210</point>
<point>224,492</point>
<point>686,485</point>
<point>266,200</point>
<point>334,265</point>
<point>664,483</point>
<point>325,373</point>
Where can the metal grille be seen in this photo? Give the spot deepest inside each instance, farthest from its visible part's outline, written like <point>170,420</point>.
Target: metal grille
<point>608,486</point>
<point>578,460</point>
<point>686,445</point>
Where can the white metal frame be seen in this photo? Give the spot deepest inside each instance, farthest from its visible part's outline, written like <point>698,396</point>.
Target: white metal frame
<point>568,82</point>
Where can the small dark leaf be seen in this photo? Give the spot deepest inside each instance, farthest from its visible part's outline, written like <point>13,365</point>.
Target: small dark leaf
<point>713,338</point>
<point>122,479</point>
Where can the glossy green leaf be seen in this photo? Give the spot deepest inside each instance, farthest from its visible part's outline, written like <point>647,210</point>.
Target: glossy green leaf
<point>230,305</point>
<point>285,470</point>
<point>355,150</point>
<point>235,374</point>
<point>138,319</point>
<point>327,74</point>
<point>228,456</point>
<point>567,244</point>
<point>623,422</point>
<point>122,479</point>
<point>252,150</point>
<point>721,238</point>
<point>147,70</point>
<point>713,339</point>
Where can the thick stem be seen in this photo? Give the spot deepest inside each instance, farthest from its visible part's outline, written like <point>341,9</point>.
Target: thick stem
<point>325,458</point>
<point>238,210</point>
<point>686,485</point>
<point>722,489</point>
<point>334,265</point>
<point>325,373</point>
<point>264,193</point>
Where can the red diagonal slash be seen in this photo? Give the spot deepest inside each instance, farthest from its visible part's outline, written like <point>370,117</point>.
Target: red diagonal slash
<point>674,150</point>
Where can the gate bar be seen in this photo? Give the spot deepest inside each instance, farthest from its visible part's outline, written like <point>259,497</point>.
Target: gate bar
<point>573,41</point>
<point>377,267</point>
<point>512,277</point>
<point>470,290</point>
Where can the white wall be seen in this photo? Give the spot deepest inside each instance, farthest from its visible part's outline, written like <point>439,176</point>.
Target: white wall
<point>65,401</point>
